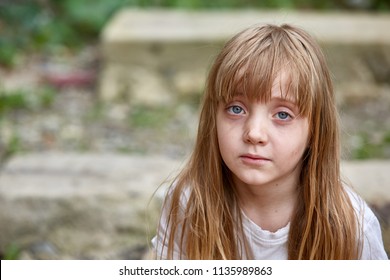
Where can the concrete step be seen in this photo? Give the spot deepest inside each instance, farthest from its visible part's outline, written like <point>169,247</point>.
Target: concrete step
<point>100,206</point>
<point>134,25</point>
<point>156,56</point>
<point>53,175</point>
<point>81,206</point>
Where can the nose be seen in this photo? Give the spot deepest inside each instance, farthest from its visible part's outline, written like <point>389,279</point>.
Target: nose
<point>256,130</point>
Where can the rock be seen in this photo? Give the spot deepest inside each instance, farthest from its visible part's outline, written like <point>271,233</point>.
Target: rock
<point>147,87</point>
<point>61,206</point>
<point>370,178</point>
<point>159,55</point>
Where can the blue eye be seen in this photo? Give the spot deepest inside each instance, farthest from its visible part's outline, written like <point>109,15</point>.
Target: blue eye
<point>235,110</point>
<point>283,115</point>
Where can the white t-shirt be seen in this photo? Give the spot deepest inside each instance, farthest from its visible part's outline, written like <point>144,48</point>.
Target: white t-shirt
<point>266,245</point>
<point>273,245</point>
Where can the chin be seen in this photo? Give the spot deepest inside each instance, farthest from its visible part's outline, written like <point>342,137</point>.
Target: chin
<point>252,181</point>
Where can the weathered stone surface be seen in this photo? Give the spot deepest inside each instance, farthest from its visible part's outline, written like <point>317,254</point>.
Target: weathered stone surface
<point>371,179</point>
<point>100,206</point>
<point>188,26</point>
<point>56,206</point>
<point>151,55</point>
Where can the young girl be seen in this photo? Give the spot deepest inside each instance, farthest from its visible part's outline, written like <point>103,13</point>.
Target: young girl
<point>264,181</point>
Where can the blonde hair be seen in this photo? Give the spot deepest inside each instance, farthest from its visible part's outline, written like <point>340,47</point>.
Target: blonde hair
<point>208,225</point>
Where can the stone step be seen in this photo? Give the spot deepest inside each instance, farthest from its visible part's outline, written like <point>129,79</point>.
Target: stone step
<point>105,206</point>
<point>164,26</point>
<point>88,206</point>
<point>156,56</point>
<point>68,175</point>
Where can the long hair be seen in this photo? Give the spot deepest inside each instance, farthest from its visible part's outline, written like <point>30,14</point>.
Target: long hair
<point>207,225</point>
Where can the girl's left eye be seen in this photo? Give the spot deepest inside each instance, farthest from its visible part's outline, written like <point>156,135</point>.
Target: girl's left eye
<point>283,115</point>
<point>235,110</point>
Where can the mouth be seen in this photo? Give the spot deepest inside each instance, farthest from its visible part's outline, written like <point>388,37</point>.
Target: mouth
<point>252,159</point>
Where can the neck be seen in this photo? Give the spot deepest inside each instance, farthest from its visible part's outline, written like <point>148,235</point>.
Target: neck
<point>270,206</point>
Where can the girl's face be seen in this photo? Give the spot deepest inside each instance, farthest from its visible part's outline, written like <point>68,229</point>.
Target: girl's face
<point>263,143</point>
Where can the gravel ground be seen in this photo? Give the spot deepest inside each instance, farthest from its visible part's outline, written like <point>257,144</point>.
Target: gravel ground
<point>73,118</point>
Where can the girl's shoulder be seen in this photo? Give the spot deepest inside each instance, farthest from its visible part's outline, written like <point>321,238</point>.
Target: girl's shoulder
<point>370,229</point>
<point>160,241</point>
<point>362,209</point>
<point>175,191</point>
<point>366,216</point>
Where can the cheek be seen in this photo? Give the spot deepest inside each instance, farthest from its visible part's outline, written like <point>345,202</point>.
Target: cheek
<point>222,131</point>
<point>227,141</point>
<point>220,138</point>
<point>219,131</point>
<point>299,141</point>
<point>302,144</point>
<point>223,141</point>
<point>299,151</point>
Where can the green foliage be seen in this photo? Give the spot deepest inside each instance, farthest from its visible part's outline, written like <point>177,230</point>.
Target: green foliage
<point>14,145</point>
<point>42,25</point>
<point>142,116</point>
<point>386,138</point>
<point>7,52</point>
<point>369,149</point>
<point>46,97</point>
<point>12,252</point>
<point>16,100</point>
<point>11,101</point>
<point>89,21</point>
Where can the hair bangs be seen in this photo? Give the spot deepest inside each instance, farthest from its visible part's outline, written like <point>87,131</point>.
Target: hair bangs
<point>250,69</point>
<point>298,88</point>
<point>246,73</point>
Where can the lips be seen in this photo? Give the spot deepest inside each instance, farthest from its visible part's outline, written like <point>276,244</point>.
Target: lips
<point>253,159</point>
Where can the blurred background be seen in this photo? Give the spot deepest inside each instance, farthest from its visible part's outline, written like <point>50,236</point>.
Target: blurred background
<point>99,104</point>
